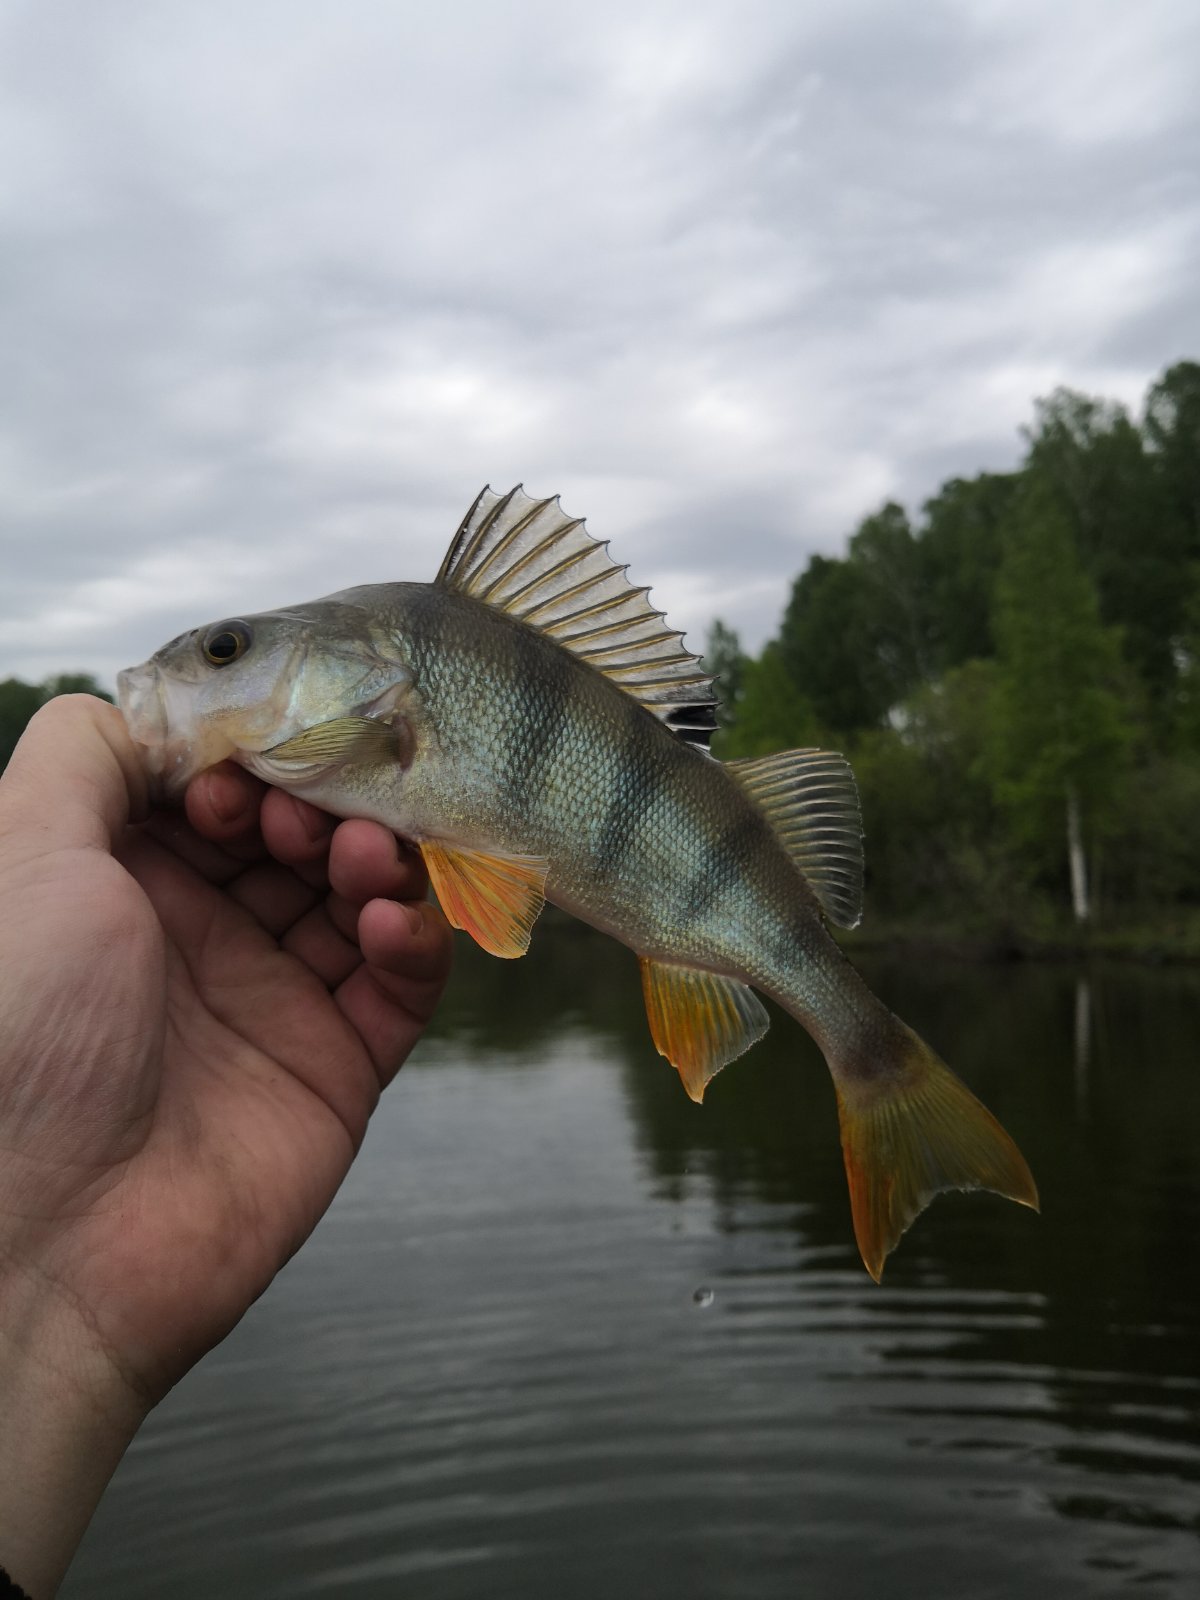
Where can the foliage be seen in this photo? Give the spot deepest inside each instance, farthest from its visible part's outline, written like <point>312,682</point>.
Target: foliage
<point>1092,463</point>
<point>1033,635</point>
<point>1059,720</point>
<point>960,548</point>
<point>1172,431</point>
<point>935,842</point>
<point>772,714</point>
<point>1153,855</point>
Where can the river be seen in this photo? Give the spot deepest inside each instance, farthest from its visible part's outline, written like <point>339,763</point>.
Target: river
<point>565,1334</point>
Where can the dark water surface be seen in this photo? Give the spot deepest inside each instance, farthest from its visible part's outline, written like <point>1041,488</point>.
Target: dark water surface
<point>565,1334</point>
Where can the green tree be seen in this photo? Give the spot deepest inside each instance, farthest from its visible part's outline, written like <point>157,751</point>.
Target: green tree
<point>1185,720</point>
<point>895,622</point>
<point>1061,725</point>
<point>960,548</point>
<point>1152,856</point>
<point>1094,463</point>
<point>936,843</point>
<point>990,669</point>
<point>1171,424</point>
<point>772,713</point>
<point>853,633</point>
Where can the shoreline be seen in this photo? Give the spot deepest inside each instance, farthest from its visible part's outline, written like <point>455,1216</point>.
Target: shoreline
<point>1178,945</point>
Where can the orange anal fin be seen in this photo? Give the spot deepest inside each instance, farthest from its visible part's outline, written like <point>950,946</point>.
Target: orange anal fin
<point>494,898</point>
<point>912,1134</point>
<point>699,1020</point>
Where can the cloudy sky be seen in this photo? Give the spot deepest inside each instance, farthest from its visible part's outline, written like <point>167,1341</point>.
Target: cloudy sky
<point>283,283</point>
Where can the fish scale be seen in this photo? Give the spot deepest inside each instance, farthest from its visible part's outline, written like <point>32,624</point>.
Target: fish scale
<point>528,722</point>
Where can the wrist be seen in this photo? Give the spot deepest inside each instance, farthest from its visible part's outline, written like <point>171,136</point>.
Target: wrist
<point>68,1416</point>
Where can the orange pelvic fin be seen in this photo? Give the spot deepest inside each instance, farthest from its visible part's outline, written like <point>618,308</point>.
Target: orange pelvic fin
<point>494,898</point>
<point>699,1020</point>
<point>910,1135</point>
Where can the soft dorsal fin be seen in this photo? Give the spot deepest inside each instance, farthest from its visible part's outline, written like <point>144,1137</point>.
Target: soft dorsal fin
<point>811,799</point>
<point>527,557</point>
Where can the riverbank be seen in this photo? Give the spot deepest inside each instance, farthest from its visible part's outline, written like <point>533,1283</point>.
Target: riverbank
<point>1167,939</point>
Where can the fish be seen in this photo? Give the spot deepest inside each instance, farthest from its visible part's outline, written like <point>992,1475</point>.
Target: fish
<point>537,730</point>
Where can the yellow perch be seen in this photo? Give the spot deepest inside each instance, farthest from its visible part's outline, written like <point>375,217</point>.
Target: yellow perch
<point>528,721</point>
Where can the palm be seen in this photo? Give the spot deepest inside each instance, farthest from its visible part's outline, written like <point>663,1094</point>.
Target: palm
<point>227,1078</point>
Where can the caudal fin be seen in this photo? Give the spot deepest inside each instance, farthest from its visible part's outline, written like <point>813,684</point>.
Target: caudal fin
<point>911,1133</point>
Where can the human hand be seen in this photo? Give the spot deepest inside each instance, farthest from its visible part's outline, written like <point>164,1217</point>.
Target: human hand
<point>198,1016</point>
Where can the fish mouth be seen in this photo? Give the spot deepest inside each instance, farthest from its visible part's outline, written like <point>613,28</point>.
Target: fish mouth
<point>170,760</point>
<point>140,700</point>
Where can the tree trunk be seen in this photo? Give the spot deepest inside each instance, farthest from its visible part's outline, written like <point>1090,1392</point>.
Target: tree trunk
<point>1076,858</point>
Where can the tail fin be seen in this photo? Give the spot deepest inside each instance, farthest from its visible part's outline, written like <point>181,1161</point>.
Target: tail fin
<point>911,1133</point>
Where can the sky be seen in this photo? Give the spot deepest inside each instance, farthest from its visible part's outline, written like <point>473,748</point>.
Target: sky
<point>284,283</point>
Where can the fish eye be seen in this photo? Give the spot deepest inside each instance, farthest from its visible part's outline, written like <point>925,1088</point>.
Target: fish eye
<point>226,642</point>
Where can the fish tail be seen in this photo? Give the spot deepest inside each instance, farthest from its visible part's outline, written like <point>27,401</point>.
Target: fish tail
<point>910,1130</point>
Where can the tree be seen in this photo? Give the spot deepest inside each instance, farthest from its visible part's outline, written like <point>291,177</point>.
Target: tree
<point>772,713</point>
<point>959,551</point>
<point>1061,726</point>
<point>852,637</point>
<point>1094,463</point>
<point>895,622</point>
<point>1171,425</point>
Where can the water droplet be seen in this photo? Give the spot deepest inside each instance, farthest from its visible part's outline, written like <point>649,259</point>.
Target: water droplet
<point>703,1296</point>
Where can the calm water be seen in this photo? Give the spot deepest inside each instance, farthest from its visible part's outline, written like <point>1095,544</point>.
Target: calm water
<point>566,1334</point>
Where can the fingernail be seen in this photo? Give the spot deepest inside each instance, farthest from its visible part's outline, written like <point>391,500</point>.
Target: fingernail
<point>412,916</point>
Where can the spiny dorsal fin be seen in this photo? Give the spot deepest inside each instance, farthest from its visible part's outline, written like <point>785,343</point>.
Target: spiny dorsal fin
<point>527,557</point>
<point>811,799</point>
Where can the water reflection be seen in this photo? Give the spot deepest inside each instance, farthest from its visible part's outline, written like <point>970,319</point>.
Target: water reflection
<point>566,1332</point>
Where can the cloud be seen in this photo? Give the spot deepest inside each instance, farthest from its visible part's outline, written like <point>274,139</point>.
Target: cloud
<point>281,285</point>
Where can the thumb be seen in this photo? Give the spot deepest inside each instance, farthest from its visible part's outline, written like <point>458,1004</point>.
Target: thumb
<point>74,778</point>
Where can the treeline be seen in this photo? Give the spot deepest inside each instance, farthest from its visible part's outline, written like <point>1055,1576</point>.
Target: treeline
<point>1015,674</point>
<point>18,702</point>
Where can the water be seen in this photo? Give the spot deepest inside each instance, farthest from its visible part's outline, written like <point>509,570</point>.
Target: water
<point>565,1333</point>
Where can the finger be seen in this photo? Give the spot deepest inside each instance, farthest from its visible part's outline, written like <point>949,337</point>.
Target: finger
<point>327,938</point>
<point>273,895</point>
<point>406,943</point>
<point>323,948</point>
<point>223,805</point>
<point>367,862</point>
<point>174,832</point>
<point>218,831</point>
<point>75,777</point>
<point>390,998</point>
<point>298,835</point>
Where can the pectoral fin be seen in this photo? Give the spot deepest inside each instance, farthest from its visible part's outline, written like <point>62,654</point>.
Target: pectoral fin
<point>494,898</point>
<point>699,1020</point>
<point>344,739</point>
